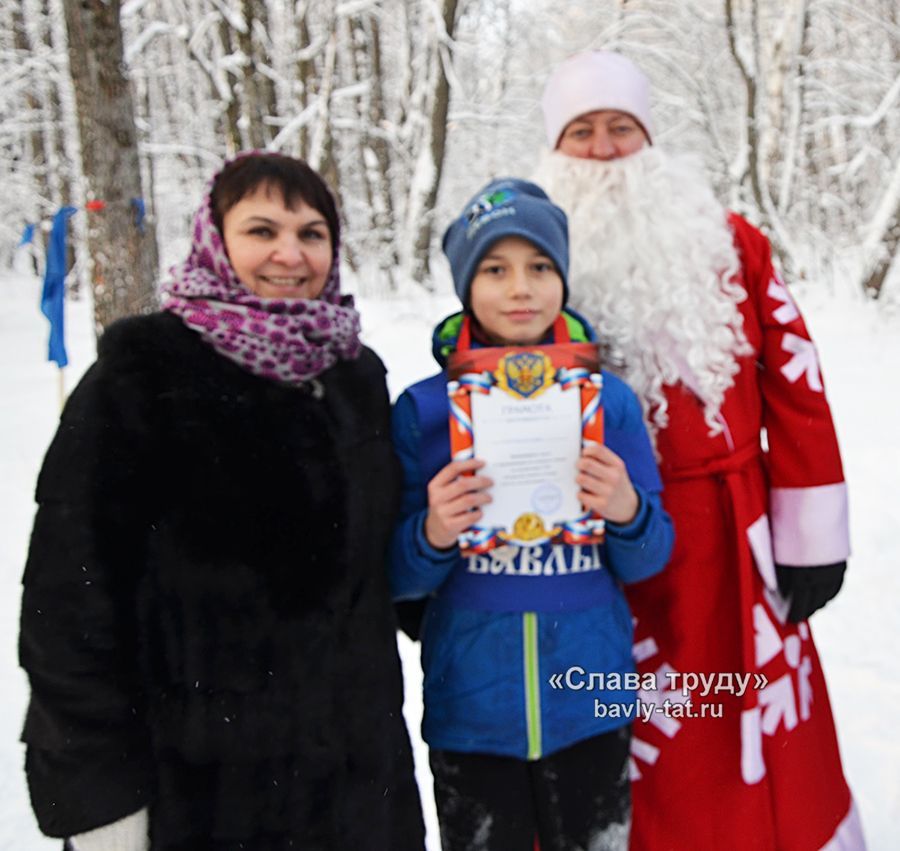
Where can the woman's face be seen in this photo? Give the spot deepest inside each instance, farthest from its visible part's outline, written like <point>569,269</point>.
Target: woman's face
<point>602,135</point>
<point>277,252</point>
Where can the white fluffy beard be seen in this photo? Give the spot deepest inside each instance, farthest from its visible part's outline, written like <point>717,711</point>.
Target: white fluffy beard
<point>653,265</point>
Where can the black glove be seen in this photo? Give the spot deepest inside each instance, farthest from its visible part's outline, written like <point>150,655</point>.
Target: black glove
<point>809,588</point>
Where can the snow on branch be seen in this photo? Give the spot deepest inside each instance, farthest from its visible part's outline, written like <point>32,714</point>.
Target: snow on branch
<point>865,122</point>
<point>354,7</point>
<point>147,35</point>
<point>160,148</point>
<point>235,21</point>
<point>132,7</point>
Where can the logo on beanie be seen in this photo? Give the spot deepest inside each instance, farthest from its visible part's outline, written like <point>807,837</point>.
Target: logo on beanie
<point>487,208</point>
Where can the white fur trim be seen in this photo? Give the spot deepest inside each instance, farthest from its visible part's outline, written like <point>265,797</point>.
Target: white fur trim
<point>126,834</point>
<point>810,525</point>
<point>849,834</point>
<point>588,82</point>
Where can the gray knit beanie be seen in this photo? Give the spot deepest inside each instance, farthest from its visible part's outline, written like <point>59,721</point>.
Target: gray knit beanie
<point>505,207</point>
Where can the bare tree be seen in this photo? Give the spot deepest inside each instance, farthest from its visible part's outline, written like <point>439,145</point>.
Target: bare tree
<point>256,87</point>
<point>746,52</point>
<point>123,253</point>
<point>406,105</point>
<point>34,142</point>
<point>437,138</point>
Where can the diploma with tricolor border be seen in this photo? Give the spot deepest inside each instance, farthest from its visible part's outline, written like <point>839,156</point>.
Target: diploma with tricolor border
<point>527,411</point>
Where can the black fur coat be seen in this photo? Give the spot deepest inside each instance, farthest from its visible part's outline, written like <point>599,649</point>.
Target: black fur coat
<point>205,619</point>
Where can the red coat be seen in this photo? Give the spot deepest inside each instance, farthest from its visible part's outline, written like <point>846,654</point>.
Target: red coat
<point>766,774</point>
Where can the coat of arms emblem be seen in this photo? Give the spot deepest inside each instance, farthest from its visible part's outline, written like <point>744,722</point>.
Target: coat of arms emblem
<point>525,374</point>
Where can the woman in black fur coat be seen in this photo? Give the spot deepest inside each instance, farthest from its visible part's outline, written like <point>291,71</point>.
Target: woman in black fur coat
<point>205,621</point>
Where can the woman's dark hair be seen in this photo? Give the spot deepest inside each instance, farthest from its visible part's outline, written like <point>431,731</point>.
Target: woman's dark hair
<point>292,178</point>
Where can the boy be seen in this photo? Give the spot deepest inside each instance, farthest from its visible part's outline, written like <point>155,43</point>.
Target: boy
<point>513,757</point>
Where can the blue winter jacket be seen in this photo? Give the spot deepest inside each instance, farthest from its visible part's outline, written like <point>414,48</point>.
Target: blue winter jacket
<point>487,672</point>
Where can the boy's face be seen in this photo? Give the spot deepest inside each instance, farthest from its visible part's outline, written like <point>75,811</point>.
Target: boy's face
<point>516,293</point>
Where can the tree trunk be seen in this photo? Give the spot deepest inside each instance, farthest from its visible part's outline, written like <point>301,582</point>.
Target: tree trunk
<point>749,69</point>
<point>751,177</point>
<point>124,257</point>
<point>232,114</point>
<point>266,88</point>
<point>34,141</point>
<point>250,85</point>
<point>385,214</point>
<point>438,143</point>
<point>66,152</point>
<point>306,72</point>
<point>321,148</point>
<point>888,247</point>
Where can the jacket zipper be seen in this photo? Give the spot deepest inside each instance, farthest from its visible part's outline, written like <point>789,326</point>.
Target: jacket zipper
<point>532,684</point>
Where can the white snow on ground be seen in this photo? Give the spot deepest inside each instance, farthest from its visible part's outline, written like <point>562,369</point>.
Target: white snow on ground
<point>857,635</point>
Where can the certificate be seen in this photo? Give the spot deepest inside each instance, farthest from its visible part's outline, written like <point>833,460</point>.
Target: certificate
<point>526,412</point>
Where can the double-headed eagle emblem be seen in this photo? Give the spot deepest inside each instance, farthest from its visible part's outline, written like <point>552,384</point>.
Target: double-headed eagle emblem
<point>525,374</point>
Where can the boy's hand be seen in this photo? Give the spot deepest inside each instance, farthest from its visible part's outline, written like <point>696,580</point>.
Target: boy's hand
<point>454,502</point>
<point>606,488</point>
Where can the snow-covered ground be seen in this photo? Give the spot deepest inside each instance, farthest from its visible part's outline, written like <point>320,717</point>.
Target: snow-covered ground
<point>858,634</point>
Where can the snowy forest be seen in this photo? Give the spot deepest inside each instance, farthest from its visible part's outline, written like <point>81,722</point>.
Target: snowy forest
<point>406,105</point>
<point>124,109</point>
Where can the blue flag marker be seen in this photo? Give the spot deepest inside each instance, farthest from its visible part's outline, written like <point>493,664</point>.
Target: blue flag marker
<point>27,235</point>
<point>137,207</point>
<point>54,293</point>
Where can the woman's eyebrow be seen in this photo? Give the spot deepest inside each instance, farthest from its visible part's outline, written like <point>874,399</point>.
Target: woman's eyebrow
<point>266,220</point>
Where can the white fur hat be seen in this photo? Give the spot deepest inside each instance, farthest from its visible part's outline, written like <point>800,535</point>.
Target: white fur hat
<point>587,82</point>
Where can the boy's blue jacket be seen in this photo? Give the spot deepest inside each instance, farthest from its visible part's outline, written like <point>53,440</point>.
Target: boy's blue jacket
<point>487,671</point>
